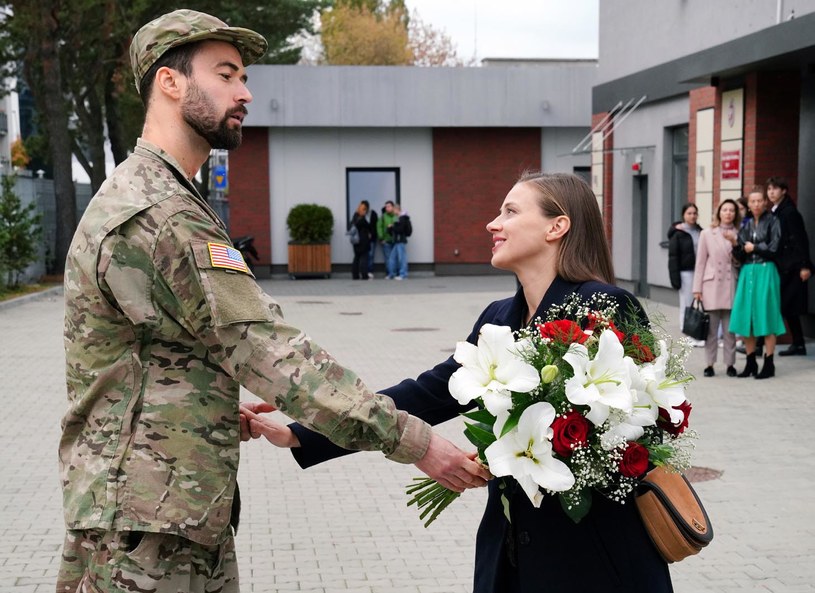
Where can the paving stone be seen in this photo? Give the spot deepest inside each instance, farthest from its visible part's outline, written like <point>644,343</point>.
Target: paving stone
<point>345,525</point>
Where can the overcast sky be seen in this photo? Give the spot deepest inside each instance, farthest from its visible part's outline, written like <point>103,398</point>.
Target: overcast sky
<point>515,28</point>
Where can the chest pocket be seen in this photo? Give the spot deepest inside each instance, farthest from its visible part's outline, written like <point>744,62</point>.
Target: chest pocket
<point>231,291</point>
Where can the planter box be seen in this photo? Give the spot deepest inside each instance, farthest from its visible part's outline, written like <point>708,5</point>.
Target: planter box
<point>310,261</point>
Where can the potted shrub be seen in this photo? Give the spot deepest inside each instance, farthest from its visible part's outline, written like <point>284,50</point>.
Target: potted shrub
<point>310,229</point>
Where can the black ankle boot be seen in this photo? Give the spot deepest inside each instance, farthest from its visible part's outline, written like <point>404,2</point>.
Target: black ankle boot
<point>768,370</point>
<point>751,368</point>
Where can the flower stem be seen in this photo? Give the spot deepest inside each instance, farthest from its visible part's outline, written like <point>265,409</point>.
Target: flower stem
<point>430,496</point>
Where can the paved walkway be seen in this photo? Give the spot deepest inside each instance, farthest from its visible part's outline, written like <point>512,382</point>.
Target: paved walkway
<point>344,526</point>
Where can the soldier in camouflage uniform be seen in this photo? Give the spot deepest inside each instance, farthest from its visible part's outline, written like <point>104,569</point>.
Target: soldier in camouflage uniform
<point>164,321</point>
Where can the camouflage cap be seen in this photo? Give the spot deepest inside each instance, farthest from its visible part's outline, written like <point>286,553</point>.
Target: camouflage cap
<point>187,26</point>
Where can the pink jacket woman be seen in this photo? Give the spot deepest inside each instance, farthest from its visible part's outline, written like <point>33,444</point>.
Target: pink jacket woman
<point>714,281</point>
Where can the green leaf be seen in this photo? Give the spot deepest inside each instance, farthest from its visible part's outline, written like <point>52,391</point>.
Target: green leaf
<point>579,509</point>
<point>480,415</point>
<point>512,421</point>
<point>479,435</point>
<point>505,504</point>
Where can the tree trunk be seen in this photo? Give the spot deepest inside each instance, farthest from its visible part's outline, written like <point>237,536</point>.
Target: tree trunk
<point>118,145</point>
<point>45,57</point>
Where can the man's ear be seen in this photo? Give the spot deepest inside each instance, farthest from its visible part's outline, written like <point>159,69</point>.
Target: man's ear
<point>170,82</point>
<point>560,225</point>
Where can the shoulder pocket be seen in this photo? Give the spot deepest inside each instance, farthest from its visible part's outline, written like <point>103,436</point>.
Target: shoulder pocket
<point>231,290</point>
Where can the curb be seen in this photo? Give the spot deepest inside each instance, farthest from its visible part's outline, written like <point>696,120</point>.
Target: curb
<point>27,298</point>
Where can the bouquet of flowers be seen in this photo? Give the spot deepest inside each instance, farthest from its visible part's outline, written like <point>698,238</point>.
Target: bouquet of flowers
<point>572,404</point>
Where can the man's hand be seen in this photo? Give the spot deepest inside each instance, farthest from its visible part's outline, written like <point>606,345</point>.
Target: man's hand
<point>254,426</point>
<point>805,274</point>
<point>451,467</point>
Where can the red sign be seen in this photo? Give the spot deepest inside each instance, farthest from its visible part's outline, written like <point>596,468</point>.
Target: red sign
<point>731,160</point>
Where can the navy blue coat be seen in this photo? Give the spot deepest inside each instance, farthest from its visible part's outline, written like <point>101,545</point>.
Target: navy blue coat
<point>543,551</point>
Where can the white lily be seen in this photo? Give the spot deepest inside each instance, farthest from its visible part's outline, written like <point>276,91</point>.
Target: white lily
<point>665,392</point>
<point>525,453</point>
<point>602,383</point>
<point>492,370</point>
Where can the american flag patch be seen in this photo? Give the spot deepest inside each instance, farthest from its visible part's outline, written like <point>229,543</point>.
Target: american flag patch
<point>224,256</point>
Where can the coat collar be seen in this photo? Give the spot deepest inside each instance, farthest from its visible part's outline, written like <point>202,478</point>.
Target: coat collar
<point>555,295</point>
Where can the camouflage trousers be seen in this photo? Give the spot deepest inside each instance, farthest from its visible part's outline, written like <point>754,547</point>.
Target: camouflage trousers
<point>118,561</point>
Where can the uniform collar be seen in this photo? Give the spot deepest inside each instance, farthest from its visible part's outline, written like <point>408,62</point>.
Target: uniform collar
<point>150,150</point>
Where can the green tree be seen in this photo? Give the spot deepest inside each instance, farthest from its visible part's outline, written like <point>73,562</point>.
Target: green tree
<point>74,56</point>
<point>20,233</point>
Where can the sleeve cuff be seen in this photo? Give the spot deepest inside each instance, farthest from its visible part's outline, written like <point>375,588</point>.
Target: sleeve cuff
<point>414,439</point>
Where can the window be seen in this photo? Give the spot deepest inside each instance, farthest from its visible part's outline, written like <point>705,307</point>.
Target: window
<point>679,171</point>
<point>375,185</point>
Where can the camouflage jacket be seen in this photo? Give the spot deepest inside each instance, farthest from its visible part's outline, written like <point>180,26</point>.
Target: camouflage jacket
<point>160,331</point>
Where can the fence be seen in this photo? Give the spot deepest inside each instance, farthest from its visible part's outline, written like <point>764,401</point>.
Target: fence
<point>40,191</point>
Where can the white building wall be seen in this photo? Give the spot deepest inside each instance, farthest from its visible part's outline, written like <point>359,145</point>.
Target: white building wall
<point>638,34</point>
<point>556,150</point>
<point>308,165</point>
<point>9,103</point>
<point>645,133</point>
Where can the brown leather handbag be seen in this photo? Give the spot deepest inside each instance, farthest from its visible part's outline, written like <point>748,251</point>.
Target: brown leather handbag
<point>673,515</point>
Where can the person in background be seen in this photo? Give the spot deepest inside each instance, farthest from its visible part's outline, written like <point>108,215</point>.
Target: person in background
<point>794,265</point>
<point>757,303</point>
<point>401,229</point>
<point>683,238</point>
<point>383,233</point>
<point>714,283</point>
<point>361,220</point>
<point>744,211</point>
<point>549,232</point>
<point>745,216</point>
<point>372,223</point>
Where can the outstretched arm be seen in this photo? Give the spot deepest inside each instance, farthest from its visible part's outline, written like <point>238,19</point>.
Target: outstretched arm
<point>444,462</point>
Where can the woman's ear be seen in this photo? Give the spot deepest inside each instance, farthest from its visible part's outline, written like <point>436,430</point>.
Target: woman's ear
<point>560,225</point>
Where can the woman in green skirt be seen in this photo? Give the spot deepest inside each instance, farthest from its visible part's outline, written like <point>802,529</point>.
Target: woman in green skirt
<point>757,303</point>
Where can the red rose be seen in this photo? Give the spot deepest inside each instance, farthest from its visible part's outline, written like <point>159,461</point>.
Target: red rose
<point>635,460</point>
<point>664,419</point>
<point>618,333</point>
<point>562,330</point>
<point>643,352</point>
<point>570,430</point>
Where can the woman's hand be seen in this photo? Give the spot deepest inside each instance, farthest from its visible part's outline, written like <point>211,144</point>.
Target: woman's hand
<point>451,467</point>
<point>254,426</point>
<point>749,247</point>
<point>697,296</point>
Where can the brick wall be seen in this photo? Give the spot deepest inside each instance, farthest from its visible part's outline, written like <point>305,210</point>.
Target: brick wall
<point>608,179</point>
<point>777,112</point>
<point>249,191</point>
<point>473,169</point>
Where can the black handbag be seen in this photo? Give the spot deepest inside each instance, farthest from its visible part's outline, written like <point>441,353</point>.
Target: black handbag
<point>696,322</point>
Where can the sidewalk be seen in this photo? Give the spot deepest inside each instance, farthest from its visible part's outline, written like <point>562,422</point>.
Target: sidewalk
<point>344,526</point>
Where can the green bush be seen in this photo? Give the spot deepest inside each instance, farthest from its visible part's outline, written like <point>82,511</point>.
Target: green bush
<point>310,223</point>
<point>20,234</point>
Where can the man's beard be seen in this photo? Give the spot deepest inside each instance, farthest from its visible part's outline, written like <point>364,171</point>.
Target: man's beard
<point>199,113</point>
